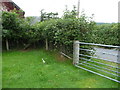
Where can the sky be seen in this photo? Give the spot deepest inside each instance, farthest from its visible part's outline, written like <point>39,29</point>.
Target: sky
<point>104,10</point>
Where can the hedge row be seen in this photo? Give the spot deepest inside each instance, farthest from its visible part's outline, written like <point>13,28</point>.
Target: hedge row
<point>58,31</point>
<point>63,31</point>
<point>106,34</point>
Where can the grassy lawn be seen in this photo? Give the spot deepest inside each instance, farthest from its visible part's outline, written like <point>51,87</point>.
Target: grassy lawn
<point>25,69</point>
<point>0,70</point>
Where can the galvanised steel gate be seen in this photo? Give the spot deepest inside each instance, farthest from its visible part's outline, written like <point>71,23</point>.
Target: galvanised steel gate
<point>84,57</point>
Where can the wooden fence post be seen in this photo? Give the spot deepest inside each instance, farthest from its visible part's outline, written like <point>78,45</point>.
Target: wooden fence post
<point>46,42</point>
<point>7,45</point>
<point>75,52</point>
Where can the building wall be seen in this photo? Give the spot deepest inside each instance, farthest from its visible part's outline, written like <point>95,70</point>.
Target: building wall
<point>2,7</point>
<point>8,6</point>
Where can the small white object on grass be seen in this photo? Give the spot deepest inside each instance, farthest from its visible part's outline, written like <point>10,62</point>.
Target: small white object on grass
<point>43,60</point>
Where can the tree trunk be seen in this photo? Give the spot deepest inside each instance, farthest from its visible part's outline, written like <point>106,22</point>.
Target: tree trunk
<point>17,43</point>
<point>46,42</point>
<point>7,45</point>
<point>34,45</point>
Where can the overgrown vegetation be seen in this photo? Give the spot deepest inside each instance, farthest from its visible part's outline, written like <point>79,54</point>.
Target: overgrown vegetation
<point>106,34</point>
<point>59,31</point>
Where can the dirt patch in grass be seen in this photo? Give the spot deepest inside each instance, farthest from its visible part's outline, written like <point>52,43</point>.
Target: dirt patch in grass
<point>60,57</point>
<point>26,50</point>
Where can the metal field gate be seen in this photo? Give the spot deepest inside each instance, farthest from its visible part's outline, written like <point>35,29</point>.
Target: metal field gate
<point>84,57</point>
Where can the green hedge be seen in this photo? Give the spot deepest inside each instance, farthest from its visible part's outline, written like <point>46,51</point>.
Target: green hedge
<point>62,31</point>
<point>58,31</point>
<point>106,34</point>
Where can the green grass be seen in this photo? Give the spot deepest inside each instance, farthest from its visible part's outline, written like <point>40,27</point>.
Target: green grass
<point>0,70</point>
<point>25,69</point>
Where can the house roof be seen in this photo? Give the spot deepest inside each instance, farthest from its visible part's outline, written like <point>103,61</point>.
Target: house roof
<point>10,1</point>
<point>10,5</point>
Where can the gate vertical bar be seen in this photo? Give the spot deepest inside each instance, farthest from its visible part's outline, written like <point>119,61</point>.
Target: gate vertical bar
<point>76,52</point>
<point>118,60</point>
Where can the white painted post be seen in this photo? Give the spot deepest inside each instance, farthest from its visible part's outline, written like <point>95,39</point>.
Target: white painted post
<point>76,52</point>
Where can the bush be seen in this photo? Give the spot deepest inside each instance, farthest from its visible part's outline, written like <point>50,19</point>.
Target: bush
<point>106,34</point>
<point>17,31</point>
<point>56,31</point>
<point>60,33</point>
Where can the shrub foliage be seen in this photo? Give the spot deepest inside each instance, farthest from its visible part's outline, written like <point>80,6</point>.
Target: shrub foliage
<point>58,31</point>
<point>106,34</point>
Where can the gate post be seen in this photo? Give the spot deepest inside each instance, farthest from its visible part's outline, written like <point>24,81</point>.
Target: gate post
<point>76,52</point>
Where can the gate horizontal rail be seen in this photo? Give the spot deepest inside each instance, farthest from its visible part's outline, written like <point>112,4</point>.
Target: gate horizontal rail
<point>99,58</point>
<point>94,64</point>
<point>98,74</point>
<point>100,63</point>
<point>100,45</point>
<point>100,67</point>
<point>99,52</point>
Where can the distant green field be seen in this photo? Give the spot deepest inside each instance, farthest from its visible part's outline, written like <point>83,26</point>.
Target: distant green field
<point>25,69</point>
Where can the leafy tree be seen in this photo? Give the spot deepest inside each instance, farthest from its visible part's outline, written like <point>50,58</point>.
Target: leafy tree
<point>64,31</point>
<point>47,16</point>
<point>10,23</point>
<point>70,14</point>
<point>61,31</point>
<point>106,34</point>
<point>29,20</point>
